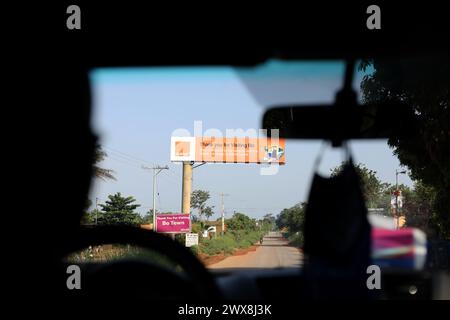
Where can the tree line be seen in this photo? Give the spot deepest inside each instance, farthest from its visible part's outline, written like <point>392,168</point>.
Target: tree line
<point>121,210</point>
<point>417,203</point>
<point>422,203</point>
<point>423,85</point>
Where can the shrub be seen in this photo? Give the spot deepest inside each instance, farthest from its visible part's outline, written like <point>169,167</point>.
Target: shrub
<point>225,244</point>
<point>196,228</point>
<point>296,239</point>
<point>244,244</point>
<point>195,249</point>
<point>229,242</point>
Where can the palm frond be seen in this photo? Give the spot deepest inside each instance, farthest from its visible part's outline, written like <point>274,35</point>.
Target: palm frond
<point>103,174</point>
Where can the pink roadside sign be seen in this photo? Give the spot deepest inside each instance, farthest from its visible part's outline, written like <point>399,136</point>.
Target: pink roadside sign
<point>173,223</point>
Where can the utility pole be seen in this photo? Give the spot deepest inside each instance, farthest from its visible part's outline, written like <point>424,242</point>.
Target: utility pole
<point>223,210</point>
<point>156,171</point>
<point>96,210</point>
<point>397,193</point>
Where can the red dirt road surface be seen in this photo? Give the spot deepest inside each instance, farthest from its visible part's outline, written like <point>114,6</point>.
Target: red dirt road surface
<point>273,253</point>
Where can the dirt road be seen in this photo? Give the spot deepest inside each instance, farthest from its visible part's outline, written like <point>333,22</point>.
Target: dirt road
<point>273,253</point>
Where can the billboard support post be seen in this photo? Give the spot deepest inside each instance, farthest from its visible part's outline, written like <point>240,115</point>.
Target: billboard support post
<point>187,188</point>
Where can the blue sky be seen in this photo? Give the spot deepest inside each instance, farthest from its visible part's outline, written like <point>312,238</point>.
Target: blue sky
<point>137,110</point>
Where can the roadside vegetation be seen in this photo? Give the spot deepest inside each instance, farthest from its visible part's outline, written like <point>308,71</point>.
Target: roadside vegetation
<point>231,241</point>
<point>417,205</point>
<point>241,232</point>
<point>290,222</point>
<point>426,150</point>
<point>111,252</point>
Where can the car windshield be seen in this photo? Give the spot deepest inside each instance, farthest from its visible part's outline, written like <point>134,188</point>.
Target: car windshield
<point>240,214</point>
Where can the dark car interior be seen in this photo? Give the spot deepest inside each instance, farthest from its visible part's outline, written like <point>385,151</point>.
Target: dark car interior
<point>136,36</point>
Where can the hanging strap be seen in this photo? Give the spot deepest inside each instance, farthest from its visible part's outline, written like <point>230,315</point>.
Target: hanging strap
<point>319,156</point>
<point>347,154</point>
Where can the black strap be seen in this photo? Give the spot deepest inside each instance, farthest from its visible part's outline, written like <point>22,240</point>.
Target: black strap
<point>348,157</point>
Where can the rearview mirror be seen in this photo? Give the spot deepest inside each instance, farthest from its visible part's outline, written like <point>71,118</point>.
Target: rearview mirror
<point>340,123</point>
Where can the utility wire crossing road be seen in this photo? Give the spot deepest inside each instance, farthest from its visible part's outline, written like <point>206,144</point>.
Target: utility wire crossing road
<point>273,253</point>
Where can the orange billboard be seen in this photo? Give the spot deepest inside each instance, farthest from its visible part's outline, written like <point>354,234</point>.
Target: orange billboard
<point>228,150</point>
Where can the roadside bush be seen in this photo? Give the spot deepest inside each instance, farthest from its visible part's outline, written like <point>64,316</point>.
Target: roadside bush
<point>180,238</point>
<point>296,239</point>
<point>286,234</point>
<point>255,236</point>
<point>236,239</point>
<point>225,244</point>
<point>195,249</point>
<point>196,228</point>
<point>244,244</point>
<point>113,252</point>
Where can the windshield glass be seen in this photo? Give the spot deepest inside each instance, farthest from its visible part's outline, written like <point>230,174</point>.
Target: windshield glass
<point>137,112</point>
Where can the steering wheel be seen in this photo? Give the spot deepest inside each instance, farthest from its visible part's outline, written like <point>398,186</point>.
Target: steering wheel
<point>140,277</point>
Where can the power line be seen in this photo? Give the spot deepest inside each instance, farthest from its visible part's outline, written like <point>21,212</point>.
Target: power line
<point>118,156</point>
<point>177,176</point>
<point>129,156</point>
<point>136,162</point>
<point>172,180</point>
<point>124,162</point>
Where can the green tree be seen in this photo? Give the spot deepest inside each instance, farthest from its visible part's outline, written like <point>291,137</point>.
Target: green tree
<point>424,85</point>
<point>418,207</point>
<point>208,212</point>
<point>119,210</point>
<point>374,190</point>
<point>198,201</point>
<point>240,221</point>
<point>268,221</point>
<point>292,218</point>
<point>86,218</point>
<point>101,173</point>
<point>148,216</point>
<point>93,216</point>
